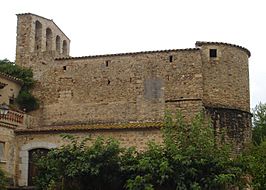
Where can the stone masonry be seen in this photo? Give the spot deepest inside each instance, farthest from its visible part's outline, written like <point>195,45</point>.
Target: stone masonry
<point>126,95</point>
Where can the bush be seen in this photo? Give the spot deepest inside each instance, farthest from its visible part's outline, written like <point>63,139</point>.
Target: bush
<point>187,159</point>
<point>3,180</point>
<point>259,123</point>
<point>76,166</point>
<point>26,101</point>
<point>255,161</point>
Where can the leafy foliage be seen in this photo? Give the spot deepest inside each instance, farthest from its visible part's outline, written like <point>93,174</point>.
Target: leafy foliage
<point>258,165</point>
<point>76,166</point>
<point>187,159</point>
<point>25,99</point>
<point>3,180</point>
<point>255,157</point>
<point>259,123</point>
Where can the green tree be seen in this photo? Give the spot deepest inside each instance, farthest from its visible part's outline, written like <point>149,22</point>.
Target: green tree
<point>255,156</point>
<point>259,123</point>
<point>258,164</point>
<point>25,100</point>
<point>188,158</point>
<point>80,167</point>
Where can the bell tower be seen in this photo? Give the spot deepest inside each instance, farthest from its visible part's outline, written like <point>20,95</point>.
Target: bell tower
<point>39,38</point>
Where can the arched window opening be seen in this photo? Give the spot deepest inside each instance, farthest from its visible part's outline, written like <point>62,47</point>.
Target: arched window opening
<point>49,37</point>
<point>34,154</point>
<point>38,35</point>
<point>65,47</point>
<point>58,45</point>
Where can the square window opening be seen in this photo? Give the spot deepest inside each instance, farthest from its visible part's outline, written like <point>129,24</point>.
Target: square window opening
<point>213,53</point>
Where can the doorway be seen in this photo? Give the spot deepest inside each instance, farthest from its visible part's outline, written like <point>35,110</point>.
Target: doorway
<point>34,155</point>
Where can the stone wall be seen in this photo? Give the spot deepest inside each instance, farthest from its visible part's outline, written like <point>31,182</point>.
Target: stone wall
<point>119,88</point>
<point>231,126</point>
<point>7,137</point>
<point>226,77</point>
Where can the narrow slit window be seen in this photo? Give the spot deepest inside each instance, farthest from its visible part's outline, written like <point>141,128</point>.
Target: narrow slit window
<point>213,53</point>
<point>170,58</point>
<point>107,63</point>
<point>64,68</point>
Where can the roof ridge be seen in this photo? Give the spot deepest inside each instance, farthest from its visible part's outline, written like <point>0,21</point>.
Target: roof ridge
<point>128,53</point>
<point>51,20</point>
<point>100,126</point>
<point>10,77</point>
<point>199,43</point>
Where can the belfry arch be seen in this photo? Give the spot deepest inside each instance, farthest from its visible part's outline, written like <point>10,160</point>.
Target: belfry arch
<point>49,37</point>
<point>38,36</point>
<point>64,47</point>
<point>58,44</point>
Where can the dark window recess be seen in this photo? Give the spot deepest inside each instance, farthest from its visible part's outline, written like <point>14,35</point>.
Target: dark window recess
<point>213,53</point>
<point>108,82</point>
<point>170,58</point>
<point>12,100</point>
<point>107,63</point>
<point>64,67</point>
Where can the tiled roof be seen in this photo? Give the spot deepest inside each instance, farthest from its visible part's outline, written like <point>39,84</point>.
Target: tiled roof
<point>90,127</point>
<point>25,14</point>
<point>130,53</point>
<point>2,85</point>
<point>200,43</point>
<point>11,78</point>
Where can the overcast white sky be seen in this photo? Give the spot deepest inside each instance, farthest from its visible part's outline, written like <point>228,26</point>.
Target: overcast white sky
<point>117,26</point>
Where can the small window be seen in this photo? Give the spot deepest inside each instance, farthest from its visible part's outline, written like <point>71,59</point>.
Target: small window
<point>107,63</point>
<point>108,82</point>
<point>64,67</point>
<point>170,58</point>
<point>12,100</point>
<point>2,151</point>
<point>213,53</point>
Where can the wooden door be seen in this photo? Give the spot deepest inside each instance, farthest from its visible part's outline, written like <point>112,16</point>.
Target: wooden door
<point>34,154</point>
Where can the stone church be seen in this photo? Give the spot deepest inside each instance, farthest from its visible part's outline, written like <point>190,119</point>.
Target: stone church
<point>121,95</point>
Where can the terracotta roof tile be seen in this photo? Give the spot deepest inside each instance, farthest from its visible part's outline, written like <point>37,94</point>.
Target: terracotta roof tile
<point>130,53</point>
<point>200,43</point>
<point>9,77</point>
<point>90,127</point>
